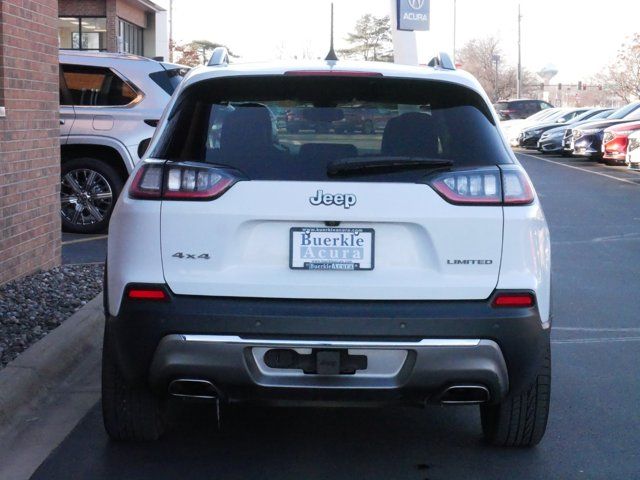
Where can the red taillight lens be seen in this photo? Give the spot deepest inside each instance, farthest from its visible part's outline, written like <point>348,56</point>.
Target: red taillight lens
<point>516,187</point>
<point>331,73</point>
<point>485,186</point>
<point>151,293</point>
<point>181,181</point>
<point>508,299</point>
<point>148,181</point>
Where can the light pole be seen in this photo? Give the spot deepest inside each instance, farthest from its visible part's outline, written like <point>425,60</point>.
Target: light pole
<point>455,15</point>
<point>496,60</point>
<point>171,31</point>
<point>519,84</point>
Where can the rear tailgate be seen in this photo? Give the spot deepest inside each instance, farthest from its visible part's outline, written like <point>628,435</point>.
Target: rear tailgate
<point>240,244</point>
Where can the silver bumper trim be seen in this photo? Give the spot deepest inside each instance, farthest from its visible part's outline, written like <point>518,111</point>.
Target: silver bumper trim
<point>427,342</point>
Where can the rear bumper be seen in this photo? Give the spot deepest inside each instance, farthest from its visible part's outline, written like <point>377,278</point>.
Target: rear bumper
<point>412,371</point>
<point>434,344</point>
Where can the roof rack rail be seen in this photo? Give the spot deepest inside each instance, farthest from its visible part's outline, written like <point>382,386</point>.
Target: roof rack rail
<point>442,60</point>
<point>220,56</point>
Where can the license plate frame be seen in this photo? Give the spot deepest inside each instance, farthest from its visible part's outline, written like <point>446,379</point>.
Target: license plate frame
<point>342,264</point>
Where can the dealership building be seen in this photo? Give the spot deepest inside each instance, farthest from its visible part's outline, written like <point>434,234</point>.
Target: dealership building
<point>31,34</point>
<point>120,26</point>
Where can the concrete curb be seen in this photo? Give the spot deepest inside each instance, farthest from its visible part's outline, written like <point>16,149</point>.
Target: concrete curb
<point>43,366</point>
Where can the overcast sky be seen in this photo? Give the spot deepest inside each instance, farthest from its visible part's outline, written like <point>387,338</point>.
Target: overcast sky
<point>579,37</point>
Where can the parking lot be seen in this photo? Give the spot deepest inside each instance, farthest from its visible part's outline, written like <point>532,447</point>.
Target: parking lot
<point>594,217</point>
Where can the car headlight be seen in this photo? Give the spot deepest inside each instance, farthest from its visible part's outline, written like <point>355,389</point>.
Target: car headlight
<point>634,143</point>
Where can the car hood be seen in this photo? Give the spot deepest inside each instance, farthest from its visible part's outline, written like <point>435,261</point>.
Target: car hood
<point>601,124</point>
<point>545,126</point>
<point>635,125</point>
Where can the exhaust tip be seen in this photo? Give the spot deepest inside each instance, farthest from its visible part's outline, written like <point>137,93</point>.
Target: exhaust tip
<point>465,395</point>
<point>193,388</point>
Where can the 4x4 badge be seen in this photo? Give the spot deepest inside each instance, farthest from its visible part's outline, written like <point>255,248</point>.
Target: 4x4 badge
<point>346,200</point>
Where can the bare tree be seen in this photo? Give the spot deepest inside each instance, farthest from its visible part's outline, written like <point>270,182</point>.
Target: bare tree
<point>371,39</point>
<point>484,59</point>
<point>622,77</point>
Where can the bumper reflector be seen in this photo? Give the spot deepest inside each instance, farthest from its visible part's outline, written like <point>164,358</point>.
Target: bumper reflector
<point>514,300</point>
<point>147,294</point>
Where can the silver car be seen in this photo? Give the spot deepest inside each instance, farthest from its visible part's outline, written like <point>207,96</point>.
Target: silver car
<point>109,107</point>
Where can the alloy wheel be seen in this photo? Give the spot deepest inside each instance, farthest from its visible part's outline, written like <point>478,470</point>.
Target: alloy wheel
<point>86,196</point>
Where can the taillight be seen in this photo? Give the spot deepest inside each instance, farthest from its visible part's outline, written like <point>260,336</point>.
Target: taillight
<point>485,186</point>
<point>157,294</point>
<point>514,299</point>
<point>516,186</point>
<point>181,181</point>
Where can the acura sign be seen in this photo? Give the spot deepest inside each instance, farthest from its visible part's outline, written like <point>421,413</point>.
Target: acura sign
<point>413,14</point>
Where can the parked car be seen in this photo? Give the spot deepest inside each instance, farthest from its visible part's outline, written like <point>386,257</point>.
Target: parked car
<point>529,136</point>
<point>109,107</point>
<point>511,128</point>
<point>615,142</point>
<point>515,109</point>
<point>295,122</point>
<point>248,271</point>
<point>364,118</point>
<point>586,140</point>
<point>633,151</point>
<point>551,141</point>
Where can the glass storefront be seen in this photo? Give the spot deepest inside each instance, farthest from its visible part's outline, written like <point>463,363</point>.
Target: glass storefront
<point>129,38</point>
<point>82,33</point>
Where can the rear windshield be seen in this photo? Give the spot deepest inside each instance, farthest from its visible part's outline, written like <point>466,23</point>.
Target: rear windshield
<point>294,127</point>
<point>169,80</point>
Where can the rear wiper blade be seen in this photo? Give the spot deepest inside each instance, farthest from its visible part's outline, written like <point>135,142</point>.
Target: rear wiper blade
<point>362,164</point>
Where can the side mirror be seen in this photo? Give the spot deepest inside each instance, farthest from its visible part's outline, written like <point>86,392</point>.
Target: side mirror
<point>142,147</point>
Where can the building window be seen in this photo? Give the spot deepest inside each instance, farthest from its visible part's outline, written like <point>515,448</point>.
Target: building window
<point>82,33</point>
<point>129,38</point>
<point>95,86</point>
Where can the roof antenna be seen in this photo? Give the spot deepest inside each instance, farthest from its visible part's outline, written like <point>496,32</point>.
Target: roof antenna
<point>331,56</point>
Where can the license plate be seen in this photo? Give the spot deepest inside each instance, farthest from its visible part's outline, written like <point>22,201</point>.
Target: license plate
<point>314,248</point>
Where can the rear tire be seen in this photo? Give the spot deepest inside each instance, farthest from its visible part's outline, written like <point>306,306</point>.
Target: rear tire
<point>129,413</point>
<point>521,420</point>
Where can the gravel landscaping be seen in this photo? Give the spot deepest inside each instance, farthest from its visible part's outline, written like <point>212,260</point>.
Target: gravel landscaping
<point>33,306</point>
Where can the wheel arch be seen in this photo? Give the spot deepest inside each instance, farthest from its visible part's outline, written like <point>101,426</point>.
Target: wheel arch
<point>109,151</point>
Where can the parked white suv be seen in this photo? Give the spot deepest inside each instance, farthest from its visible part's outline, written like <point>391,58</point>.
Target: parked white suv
<point>110,105</point>
<point>410,265</point>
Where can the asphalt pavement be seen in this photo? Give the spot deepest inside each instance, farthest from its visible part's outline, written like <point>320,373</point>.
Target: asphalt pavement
<point>594,217</point>
<point>78,248</point>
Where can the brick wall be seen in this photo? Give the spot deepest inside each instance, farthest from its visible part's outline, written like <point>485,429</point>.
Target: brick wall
<point>85,8</point>
<point>29,137</point>
<point>112,26</point>
<point>131,13</point>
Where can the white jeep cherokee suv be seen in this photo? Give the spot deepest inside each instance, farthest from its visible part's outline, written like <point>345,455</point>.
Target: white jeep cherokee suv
<point>406,265</point>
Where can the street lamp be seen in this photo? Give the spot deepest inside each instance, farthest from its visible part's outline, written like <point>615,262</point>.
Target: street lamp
<point>496,61</point>
<point>455,15</point>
